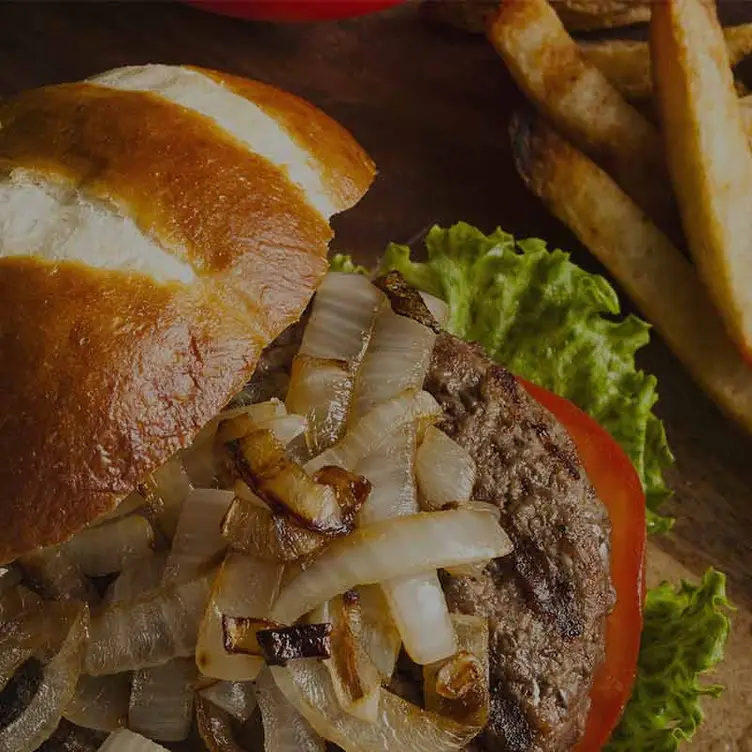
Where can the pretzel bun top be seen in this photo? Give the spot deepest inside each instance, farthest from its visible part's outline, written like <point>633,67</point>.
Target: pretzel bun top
<point>159,226</point>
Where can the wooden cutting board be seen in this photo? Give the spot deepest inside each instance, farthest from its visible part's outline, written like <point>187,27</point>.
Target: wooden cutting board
<point>431,106</point>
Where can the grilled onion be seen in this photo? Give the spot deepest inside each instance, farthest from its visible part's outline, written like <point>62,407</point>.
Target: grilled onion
<point>165,491</point>
<point>285,486</point>
<point>215,727</point>
<point>341,318</point>
<point>15,601</point>
<point>198,537</point>
<point>127,741</point>
<point>252,529</point>
<point>391,471</point>
<point>285,730</point>
<point>356,680</point>
<point>322,391</point>
<point>161,703</point>
<point>419,609</point>
<point>416,602</point>
<point>158,626</point>
<point>247,588</point>
<point>100,702</point>
<point>142,575</point>
<point>40,718</point>
<point>236,698</point>
<point>400,725</point>
<point>379,634</point>
<point>458,687</point>
<point>108,548</point>
<point>53,573</point>
<point>334,341</point>
<point>368,432</point>
<point>396,361</point>
<point>389,549</point>
<point>445,470</point>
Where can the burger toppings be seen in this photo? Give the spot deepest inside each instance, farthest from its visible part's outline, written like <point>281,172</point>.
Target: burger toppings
<point>100,702</point>
<point>55,687</point>
<point>328,563</point>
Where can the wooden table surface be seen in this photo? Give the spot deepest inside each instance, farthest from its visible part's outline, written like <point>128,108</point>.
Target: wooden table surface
<point>430,105</point>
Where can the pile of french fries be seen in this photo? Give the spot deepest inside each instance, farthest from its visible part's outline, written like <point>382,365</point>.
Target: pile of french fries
<point>636,193</point>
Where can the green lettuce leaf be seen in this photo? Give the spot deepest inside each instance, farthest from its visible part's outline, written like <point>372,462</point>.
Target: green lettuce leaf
<point>553,323</point>
<point>684,634</point>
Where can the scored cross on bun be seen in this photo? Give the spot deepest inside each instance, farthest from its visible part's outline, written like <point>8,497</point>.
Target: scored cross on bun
<point>159,226</point>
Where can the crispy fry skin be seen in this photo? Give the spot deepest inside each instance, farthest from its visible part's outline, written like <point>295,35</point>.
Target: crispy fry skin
<point>579,100</point>
<point>589,15</point>
<point>626,63</point>
<point>653,272</point>
<point>708,154</point>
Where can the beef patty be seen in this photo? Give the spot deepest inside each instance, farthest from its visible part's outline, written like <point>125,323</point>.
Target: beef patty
<point>546,602</point>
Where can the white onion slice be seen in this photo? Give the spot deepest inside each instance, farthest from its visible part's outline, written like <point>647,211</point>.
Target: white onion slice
<point>238,699</point>
<point>391,471</point>
<point>142,575</point>
<point>110,547</point>
<point>158,626</point>
<point>444,469</point>
<point>100,702</point>
<point>397,360</point>
<point>416,602</point>
<point>215,727</point>
<point>389,549</point>
<point>437,308</point>
<point>246,588</point>
<point>250,528</point>
<point>53,573</point>
<point>335,338</point>
<point>379,634</point>
<point>161,704</point>
<point>256,413</point>
<point>40,718</point>
<point>419,609</point>
<point>355,678</point>
<point>371,430</point>
<point>400,726</point>
<point>168,488</point>
<point>458,687</point>
<point>127,741</point>
<point>17,600</point>
<point>26,635</point>
<point>285,730</point>
<point>198,538</point>
<point>341,318</point>
<point>130,504</point>
<point>322,391</point>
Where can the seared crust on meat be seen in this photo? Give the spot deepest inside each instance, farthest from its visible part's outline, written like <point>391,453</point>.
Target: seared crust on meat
<point>548,601</point>
<point>149,249</point>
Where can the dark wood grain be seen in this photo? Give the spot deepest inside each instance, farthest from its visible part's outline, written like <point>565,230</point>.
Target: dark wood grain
<point>431,105</point>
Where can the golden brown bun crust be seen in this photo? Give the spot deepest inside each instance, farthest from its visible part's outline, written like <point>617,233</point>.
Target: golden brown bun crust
<point>339,152</point>
<point>107,372</point>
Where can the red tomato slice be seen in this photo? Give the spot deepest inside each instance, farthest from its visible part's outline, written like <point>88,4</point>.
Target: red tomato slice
<point>294,10</point>
<point>616,482</point>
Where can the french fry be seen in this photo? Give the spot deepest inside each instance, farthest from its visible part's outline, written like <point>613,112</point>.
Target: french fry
<point>660,280</point>
<point>626,63</point>
<point>588,15</point>
<point>574,94</point>
<point>745,103</point>
<point>708,154</point>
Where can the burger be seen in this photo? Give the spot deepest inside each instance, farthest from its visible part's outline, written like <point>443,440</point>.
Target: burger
<point>252,500</point>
